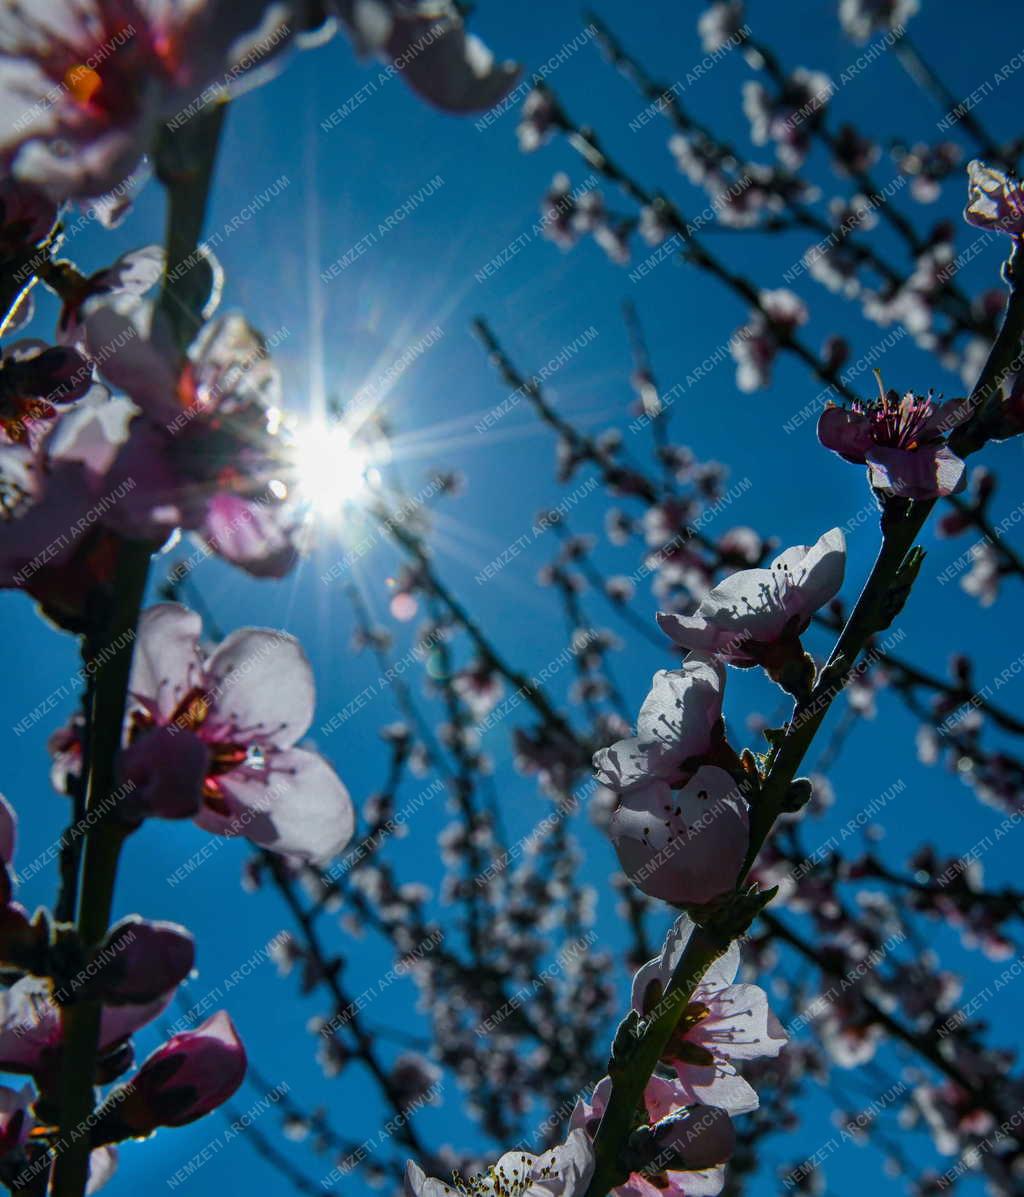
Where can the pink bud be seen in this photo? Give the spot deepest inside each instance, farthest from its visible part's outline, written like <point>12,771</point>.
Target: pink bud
<point>190,1075</point>
<point>140,961</point>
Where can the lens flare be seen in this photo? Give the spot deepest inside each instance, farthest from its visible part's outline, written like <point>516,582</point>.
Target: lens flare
<point>330,467</point>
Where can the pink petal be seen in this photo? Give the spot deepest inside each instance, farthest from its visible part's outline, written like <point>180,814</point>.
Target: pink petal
<point>118,1023</point>
<point>296,806</point>
<point>134,351</point>
<point>690,631</point>
<point>847,433</point>
<point>262,690</point>
<point>819,575</point>
<point>167,663</point>
<point>134,272</point>
<point>102,1166</point>
<point>745,606</point>
<point>684,846</point>
<point>29,1025</point>
<point>250,535</point>
<point>925,473</point>
<point>712,1087</point>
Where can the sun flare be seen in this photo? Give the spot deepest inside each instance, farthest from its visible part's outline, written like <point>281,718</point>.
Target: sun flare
<point>331,467</point>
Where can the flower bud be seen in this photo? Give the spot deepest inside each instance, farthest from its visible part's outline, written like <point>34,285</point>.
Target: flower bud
<point>139,961</point>
<point>190,1075</point>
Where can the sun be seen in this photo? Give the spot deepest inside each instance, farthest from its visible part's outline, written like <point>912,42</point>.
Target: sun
<point>330,467</point>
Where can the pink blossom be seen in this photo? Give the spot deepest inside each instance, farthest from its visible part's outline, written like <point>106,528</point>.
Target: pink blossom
<point>212,737</point>
<point>429,44</point>
<point>927,166</point>
<point>30,1028</point>
<point>676,724</point>
<point>19,939</point>
<point>685,846</point>
<point>191,1074</point>
<point>787,118</point>
<point>995,200</point>
<point>16,1124</point>
<point>755,615</point>
<point>861,18</point>
<point>564,1171</point>
<point>84,87</point>
<point>901,440</point>
<point>140,960</point>
<point>756,345</point>
<point>536,121</point>
<point>35,379</point>
<point>700,1137</point>
<point>852,151</point>
<point>723,1023</point>
<point>133,273</point>
<point>558,209</point>
<point>720,25</point>
<point>982,580</point>
<point>50,484</point>
<point>479,687</point>
<point>204,454</point>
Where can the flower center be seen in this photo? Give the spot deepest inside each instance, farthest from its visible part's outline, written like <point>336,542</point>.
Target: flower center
<point>107,81</point>
<point>503,1180</point>
<point>83,82</point>
<point>899,423</point>
<point>225,755</point>
<point>681,1048</point>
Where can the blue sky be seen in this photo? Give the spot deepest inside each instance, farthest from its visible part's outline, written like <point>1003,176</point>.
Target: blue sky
<point>420,276</point>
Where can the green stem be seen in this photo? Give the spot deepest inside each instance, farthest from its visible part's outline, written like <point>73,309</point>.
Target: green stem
<point>629,1083</point>
<point>184,162</point>
<point>81,1022</point>
<point>869,616</point>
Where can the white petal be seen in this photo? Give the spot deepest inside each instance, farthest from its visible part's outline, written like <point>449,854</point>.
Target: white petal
<point>261,685</point>
<point>167,662</point>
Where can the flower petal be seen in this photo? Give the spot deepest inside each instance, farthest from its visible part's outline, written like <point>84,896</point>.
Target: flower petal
<point>845,432</point>
<point>167,661</point>
<point>261,688</point>
<point>684,846</point>
<point>924,473</point>
<point>296,806</point>
<point>819,575</point>
<point>118,1023</point>
<point>249,535</point>
<point>134,351</point>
